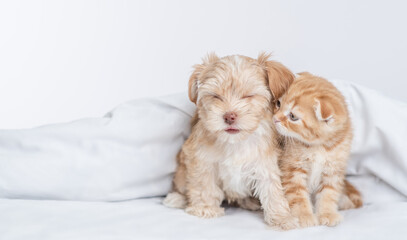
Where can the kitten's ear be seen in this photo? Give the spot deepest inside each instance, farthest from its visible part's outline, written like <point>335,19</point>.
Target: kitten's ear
<point>194,79</point>
<point>323,111</point>
<point>279,76</point>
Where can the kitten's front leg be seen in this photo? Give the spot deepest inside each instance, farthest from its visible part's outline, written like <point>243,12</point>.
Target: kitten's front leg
<point>203,193</point>
<point>327,197</point>
<point>294,180</point>
<point>271,195</point>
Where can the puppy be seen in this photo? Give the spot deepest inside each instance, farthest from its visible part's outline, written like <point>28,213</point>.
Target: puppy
<point>233,150</point>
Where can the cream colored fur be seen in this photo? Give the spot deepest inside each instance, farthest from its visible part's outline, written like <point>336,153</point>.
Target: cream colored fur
<point>235,162</point>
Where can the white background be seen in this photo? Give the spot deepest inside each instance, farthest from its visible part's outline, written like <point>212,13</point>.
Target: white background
<point>63,60</point>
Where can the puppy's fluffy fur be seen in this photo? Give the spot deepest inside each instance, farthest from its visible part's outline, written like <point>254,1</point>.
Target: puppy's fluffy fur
<point>314,119</point>
<point>232,152</point>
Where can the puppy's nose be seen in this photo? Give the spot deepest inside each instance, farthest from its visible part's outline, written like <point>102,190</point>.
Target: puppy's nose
<point>230,117</point>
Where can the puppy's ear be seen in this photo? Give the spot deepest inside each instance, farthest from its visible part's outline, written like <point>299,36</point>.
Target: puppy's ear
<point>279,76</point>
<point>194,79</point>
<point>305,74</point>
<point>193,82</point>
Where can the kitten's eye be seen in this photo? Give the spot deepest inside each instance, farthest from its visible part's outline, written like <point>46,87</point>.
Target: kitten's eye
<point>278,103</point>
<point>293,117</point>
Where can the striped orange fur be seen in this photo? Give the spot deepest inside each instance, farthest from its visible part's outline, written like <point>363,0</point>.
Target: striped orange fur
<point>313,118</point>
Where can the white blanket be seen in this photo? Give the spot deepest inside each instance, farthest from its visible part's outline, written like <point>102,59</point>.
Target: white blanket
<point>130,154</point>
<point>378,163</point>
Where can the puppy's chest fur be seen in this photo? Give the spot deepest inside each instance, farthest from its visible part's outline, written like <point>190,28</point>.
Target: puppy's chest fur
<point>236,163</point>
<point>235,170</point>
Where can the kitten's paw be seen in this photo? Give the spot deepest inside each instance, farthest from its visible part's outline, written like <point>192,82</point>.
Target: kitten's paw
<point>283,223</point>
<point>357,200</point>
<point>330,219</point>
<point>205,211</point>
<point>307,220</point>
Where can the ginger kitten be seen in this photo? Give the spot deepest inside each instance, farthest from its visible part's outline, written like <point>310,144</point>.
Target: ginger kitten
<point>314,120</point>
<point>232,152</point>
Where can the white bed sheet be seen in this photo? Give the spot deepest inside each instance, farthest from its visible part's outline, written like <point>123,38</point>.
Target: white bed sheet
<point>149,219</point>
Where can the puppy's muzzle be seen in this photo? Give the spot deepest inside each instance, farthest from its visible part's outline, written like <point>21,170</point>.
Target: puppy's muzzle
<point>230,118</point>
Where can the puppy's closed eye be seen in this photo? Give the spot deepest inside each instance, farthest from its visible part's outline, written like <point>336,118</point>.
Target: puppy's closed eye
<point>216,96</point>
<point>248,96</point>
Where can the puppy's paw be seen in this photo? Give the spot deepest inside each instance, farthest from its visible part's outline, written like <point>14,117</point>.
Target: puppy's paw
<point>205,211</point>
<point>330,219</point>
<point>175,200</point>
<point>283,223</point>
<point>307,220</point>
<point>249,203</point>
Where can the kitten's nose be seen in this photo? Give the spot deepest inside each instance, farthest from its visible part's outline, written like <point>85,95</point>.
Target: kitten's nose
<point>230,117</point>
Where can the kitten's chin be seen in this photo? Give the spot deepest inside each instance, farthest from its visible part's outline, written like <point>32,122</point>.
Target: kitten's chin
<point>281,130</point>
<point>285,133</point>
